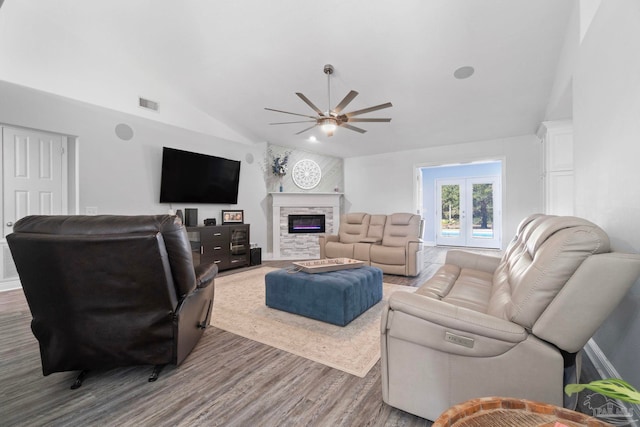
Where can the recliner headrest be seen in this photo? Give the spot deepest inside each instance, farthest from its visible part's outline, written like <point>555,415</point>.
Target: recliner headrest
<point>355,217</point>
<point>401,218</point>
<point>550,225</point>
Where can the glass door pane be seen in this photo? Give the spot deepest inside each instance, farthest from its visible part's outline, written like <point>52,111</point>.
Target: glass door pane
<point>482,211</point>
<point>450,212</point>
<point>484,227</point>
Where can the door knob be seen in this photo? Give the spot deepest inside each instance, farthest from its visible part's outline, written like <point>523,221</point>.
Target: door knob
<point>9,224</point>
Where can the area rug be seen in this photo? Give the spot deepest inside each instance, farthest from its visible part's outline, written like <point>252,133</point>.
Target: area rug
<point>239,307</point>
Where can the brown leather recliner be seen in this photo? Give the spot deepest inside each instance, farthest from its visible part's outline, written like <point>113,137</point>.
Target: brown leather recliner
<point>108,291</point>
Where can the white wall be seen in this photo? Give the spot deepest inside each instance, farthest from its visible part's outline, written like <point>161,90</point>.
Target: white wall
<point>386,183</point>
<point>607,151</point>
<point>123,177</point>
<point>28,60</point>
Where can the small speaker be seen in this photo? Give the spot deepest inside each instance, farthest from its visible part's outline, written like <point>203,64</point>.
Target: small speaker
<point>191,217</point>
<point>256,256</point>
<point>210,221</point>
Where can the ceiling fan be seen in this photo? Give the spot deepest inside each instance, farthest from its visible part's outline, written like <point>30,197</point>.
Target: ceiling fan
<point>331,119</point>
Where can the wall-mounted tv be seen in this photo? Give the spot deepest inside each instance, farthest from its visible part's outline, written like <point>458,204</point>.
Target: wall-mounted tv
<point>198,178</point>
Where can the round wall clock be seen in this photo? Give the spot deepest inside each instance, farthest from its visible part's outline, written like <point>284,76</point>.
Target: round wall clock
<point>306,174</point>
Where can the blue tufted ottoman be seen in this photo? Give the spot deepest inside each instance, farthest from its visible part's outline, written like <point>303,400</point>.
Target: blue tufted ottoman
<point>335,297</point>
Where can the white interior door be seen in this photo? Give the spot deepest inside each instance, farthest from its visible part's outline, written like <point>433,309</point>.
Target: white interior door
<point>469,210</point>
<point>33,181</point>
<point>32,174</point>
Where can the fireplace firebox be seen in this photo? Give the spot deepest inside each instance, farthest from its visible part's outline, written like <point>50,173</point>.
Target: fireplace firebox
<point>306,223</point>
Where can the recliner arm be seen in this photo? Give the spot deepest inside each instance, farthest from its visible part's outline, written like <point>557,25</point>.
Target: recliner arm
<point>205,273</point>
<point>426,321</point>
<point>323,239</point>
<point>417,243</point>
<point>474,261</point>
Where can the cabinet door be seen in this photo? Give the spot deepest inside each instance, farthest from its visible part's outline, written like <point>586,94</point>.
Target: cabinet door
<point>215,246</point>
<point>240,254</point>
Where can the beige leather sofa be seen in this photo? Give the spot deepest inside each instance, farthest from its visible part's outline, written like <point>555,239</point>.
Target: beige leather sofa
<point>390,242</point>
<point>488,326</point>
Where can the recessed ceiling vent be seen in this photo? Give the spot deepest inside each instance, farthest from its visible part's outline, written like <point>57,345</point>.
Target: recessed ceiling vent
<point>148,104</point>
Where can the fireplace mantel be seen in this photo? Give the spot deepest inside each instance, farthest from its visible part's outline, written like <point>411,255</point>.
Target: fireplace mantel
<point>281,202</point>
<point>303,199</point>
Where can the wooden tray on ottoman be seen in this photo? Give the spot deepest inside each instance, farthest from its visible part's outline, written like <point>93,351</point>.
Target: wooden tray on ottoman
<point>329,264</point>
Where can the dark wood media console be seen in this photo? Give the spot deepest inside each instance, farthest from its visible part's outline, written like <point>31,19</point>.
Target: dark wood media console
<point>224,245</point>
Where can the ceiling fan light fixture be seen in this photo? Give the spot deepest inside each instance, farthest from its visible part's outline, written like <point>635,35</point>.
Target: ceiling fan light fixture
<point>332,118</point>
<point>329,125</point>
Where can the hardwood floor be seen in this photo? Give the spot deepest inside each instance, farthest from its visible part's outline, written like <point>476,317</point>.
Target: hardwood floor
<point>226,381</point>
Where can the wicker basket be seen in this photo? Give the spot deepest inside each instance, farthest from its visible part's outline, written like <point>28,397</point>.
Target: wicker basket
<point>510,412</point>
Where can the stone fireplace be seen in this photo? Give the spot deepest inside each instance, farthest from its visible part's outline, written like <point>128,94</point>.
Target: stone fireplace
<point>302,244</point>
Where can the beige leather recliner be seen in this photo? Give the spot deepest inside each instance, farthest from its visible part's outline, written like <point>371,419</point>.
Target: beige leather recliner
<point>489,326</point>
<point>400,251</point>
<point>353,229</point>
<point>389,242</point>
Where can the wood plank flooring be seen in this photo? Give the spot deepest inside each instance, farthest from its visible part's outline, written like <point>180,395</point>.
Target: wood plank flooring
<point>226,381</point>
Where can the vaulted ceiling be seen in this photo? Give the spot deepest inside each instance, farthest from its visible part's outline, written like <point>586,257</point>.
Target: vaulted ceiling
<point>214,66</point>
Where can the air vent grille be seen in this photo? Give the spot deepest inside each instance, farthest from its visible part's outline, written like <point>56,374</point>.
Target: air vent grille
<point>148,104</point>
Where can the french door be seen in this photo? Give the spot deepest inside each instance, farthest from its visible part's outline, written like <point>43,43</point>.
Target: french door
<point>469,212</point>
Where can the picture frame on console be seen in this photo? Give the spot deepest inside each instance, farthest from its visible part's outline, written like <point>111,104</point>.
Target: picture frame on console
<point>233,217</point>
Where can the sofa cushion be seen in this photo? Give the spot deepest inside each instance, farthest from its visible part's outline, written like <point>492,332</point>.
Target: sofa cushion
<point>388,255</point>
<point>472,290</point>
<point>339,250</point>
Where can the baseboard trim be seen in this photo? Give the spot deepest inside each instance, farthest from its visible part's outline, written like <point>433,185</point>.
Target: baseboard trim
<point>606,370</point>
<point>10,285</point>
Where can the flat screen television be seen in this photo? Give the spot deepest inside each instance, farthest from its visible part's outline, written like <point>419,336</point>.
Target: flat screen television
<point>188,177</point>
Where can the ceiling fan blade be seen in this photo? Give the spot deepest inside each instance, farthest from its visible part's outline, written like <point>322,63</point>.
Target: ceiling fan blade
<point>369,120</point>
<point>347,99</point>
<point>287,112</point>
<point>310,104</point>
<point>286,123</point>
<point>304,130</point>
<point>344,125</point>
<point>368,110</point>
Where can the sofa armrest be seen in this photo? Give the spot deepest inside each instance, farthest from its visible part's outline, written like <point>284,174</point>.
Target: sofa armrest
<point>323,239</point>
<point>474,261</point>
<point>326,238</point>
<point>205,273</point>
<point>441,326</point>
<point>415,241</point>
